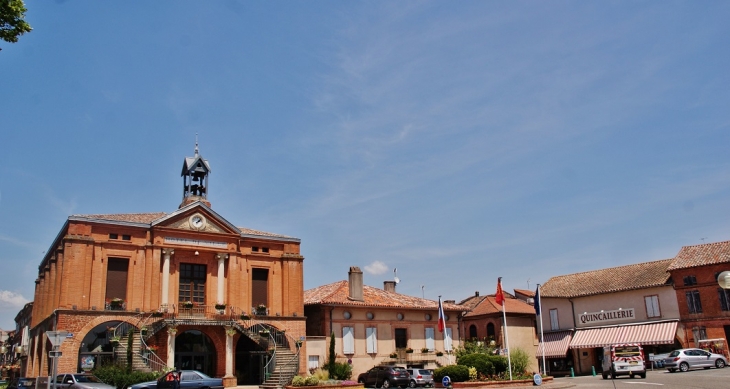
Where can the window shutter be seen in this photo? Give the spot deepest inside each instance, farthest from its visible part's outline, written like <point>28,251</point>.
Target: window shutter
<point>447,339</point>
<point>372,340</point>
<point>430,339</point>
<point>348,340</point>
<point>116,278</point>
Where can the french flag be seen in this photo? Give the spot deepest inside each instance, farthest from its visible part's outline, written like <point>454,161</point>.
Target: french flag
<point>442,318</point>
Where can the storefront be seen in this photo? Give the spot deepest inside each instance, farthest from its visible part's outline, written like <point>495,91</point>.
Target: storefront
<point>555,347</point>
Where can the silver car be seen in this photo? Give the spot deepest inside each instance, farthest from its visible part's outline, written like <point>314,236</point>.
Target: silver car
<point>420,377</point>
<point>80,381</point>
<point>693,358</point>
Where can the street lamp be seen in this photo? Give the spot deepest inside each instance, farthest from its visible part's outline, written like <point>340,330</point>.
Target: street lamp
<point>724,279</point>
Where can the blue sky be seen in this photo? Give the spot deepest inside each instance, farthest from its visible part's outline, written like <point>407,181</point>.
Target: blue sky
<point>455,141</point>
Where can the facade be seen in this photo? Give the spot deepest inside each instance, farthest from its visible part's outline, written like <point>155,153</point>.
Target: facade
<point>704,307</point>
<point>484,322</point>
<point>582,312</point>
<point>186,289</point>
<point>377,326</point>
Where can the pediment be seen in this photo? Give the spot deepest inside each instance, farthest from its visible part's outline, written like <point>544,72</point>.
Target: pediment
<point>199,218</point>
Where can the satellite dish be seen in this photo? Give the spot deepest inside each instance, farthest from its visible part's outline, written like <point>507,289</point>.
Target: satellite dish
<point>395,275</point>
<point>397,280</point>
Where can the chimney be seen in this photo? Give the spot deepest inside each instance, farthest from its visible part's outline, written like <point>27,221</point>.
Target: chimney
<point>389,286</point>
<point>355,282</point>
<point>476,294</point>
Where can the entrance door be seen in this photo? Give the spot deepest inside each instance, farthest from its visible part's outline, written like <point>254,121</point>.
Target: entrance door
<point>191,362</point>
<point>195,351</point>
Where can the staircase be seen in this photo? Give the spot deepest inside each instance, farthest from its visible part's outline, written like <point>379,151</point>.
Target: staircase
<point>138,362</point>
<point>287,366</point>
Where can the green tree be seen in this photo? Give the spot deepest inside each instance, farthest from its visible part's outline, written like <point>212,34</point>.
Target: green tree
<point>332,355</point>
<point>12,22</point>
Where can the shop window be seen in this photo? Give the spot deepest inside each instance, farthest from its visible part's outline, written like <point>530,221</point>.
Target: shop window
<point>693,301</point>
<point>371,334</point>
<point>724,298</point>
<point>652,306</point>
<point>348,340</point>
<point>554,325</point>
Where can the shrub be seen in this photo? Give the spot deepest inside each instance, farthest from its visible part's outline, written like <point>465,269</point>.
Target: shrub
<point>520,361</point>
<point>298,381</point>
<point>118,376</point>
<point>500,363</point>
<point>457,373</point>
<point>473,347</point>
<point>481,362</point>
<point>311,381</point>
<point>322,375</point>
<point>341,371</point>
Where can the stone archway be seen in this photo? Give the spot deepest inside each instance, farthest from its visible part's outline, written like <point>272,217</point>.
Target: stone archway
<point>196,350</point>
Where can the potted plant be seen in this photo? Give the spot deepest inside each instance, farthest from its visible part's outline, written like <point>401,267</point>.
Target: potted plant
<point>439,354</point>
<point>186,304</point>
<point>409,350</point>
<point>143,330</point>
<point>220,306</point>
<point>245,316</point>
<point>264,332</point>
<point>157,314</point>
<point>394,355</point>
<point>261,309</point>
<point>114,340</point>
<point>425,350</point>
<point>152,348</point>
<point>116,303</point>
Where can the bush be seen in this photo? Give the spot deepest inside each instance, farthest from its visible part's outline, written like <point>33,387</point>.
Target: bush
<point>311,381</point>
<point>457,373</point>
<point>481,362</point>
<point>500,363</point>
<point>117,375</point>
<point>520,361</point>
<point>322,375</point>
<point>340,371</point>
<point>298,381</point>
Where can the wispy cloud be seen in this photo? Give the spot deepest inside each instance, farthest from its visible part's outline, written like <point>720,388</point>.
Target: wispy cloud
<point>376,268</point>
<point>10,299</point>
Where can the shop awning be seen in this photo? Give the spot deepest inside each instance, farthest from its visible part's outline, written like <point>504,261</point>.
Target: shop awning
<point>555,344</point>
<point>653,333</point>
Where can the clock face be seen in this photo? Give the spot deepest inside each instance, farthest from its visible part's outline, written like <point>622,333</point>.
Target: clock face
<point>197,221</point>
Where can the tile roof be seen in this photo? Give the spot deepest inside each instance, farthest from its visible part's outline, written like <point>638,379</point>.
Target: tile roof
<point>489,306</point>
<point>525,292</point>
<point>701,255</point>
<point>148,218</point>
<point>336,293</point>
<point>472,301</point>
<point>614,279</point>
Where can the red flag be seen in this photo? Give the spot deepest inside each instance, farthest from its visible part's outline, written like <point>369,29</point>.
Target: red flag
<point>442,317</point>
<point>499,297</point>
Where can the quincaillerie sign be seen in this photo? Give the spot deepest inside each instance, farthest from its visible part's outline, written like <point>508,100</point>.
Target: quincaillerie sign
<point>619,314</point>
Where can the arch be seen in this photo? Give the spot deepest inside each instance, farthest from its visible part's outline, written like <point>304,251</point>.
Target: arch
<point>196,350</point>
<point>491,333</point>
<point>472,331</point>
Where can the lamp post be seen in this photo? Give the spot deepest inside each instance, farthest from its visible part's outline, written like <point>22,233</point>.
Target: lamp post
<point>724,279</point>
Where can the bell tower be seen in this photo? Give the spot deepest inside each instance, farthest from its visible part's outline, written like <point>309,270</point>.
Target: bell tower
<point>195,174</point>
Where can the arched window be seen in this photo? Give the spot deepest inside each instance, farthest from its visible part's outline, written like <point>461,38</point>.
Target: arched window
<point>472,331</point>
<point>490,331</point>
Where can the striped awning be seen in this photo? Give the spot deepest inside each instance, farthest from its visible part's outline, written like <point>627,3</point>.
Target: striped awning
<point>654,333</point>
<point>555,344</point>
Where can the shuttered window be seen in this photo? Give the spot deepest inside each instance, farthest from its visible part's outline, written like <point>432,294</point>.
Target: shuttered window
<point>348,340</point>
<point>372,340</point>
<point>116,278</point>
<point>652,306</point>
<point>448,344</point>
<point>260,287</point>
<point>430,339</point>
<point>192,283</point>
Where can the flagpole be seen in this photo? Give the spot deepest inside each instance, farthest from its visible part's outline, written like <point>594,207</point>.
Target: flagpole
<point>500,294</point>
<point>542,336</point>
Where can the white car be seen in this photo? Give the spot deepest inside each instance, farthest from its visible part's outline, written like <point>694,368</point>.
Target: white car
<point>693,358</point>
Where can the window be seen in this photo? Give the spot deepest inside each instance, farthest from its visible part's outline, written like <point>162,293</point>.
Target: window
<point>192,283</point>
<point>254,249</point>
<point>348,340</point>
<point>693,301</point>
<point>401,338</point>
<point>116,279</point>
<point>447,339</point>
<point>430,344</point>
<point>689,280</point>
<point>126,237</point>
<point>313,363</point>
<point>554,325</point>
<point>652,306</point>
<point>491,333</point>
<point>259,287</point>
<point>699,333</point>
<point>472,331</point>
<point>113,236</point>
<point>371,334</point>
<point>264,249</point>
<point>724,298</point>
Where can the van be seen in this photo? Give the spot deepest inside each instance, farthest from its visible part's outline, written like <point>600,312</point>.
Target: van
<point>623,359</point>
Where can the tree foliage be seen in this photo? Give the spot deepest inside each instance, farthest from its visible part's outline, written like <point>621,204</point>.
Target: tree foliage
<point>12,22</point>
<point>473,347</point>
<point>332,355</point>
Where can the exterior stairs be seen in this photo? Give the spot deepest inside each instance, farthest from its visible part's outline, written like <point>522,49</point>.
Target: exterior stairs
<point>285,369</point>
<point>120,353</point>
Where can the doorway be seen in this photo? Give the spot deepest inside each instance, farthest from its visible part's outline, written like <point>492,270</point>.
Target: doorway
<point>195,351</point>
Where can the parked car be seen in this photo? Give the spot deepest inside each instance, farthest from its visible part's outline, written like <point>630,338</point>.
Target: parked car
<point>80,381</point>
<point>21,383</point>
<point>692,358</point>
<point>191,379</point>
<point>623,359</point>
<point>420,377</point>
<point>385,376</point>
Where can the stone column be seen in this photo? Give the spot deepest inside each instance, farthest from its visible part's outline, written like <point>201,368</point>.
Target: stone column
<point>165,295</point>
<point>221,277</point>
<point>171,333</point>
<point>229,379</point>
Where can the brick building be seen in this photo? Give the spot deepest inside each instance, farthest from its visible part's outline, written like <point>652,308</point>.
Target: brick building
<point>185,289</point>
<point>704,307</point>
<point>375,326</point>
